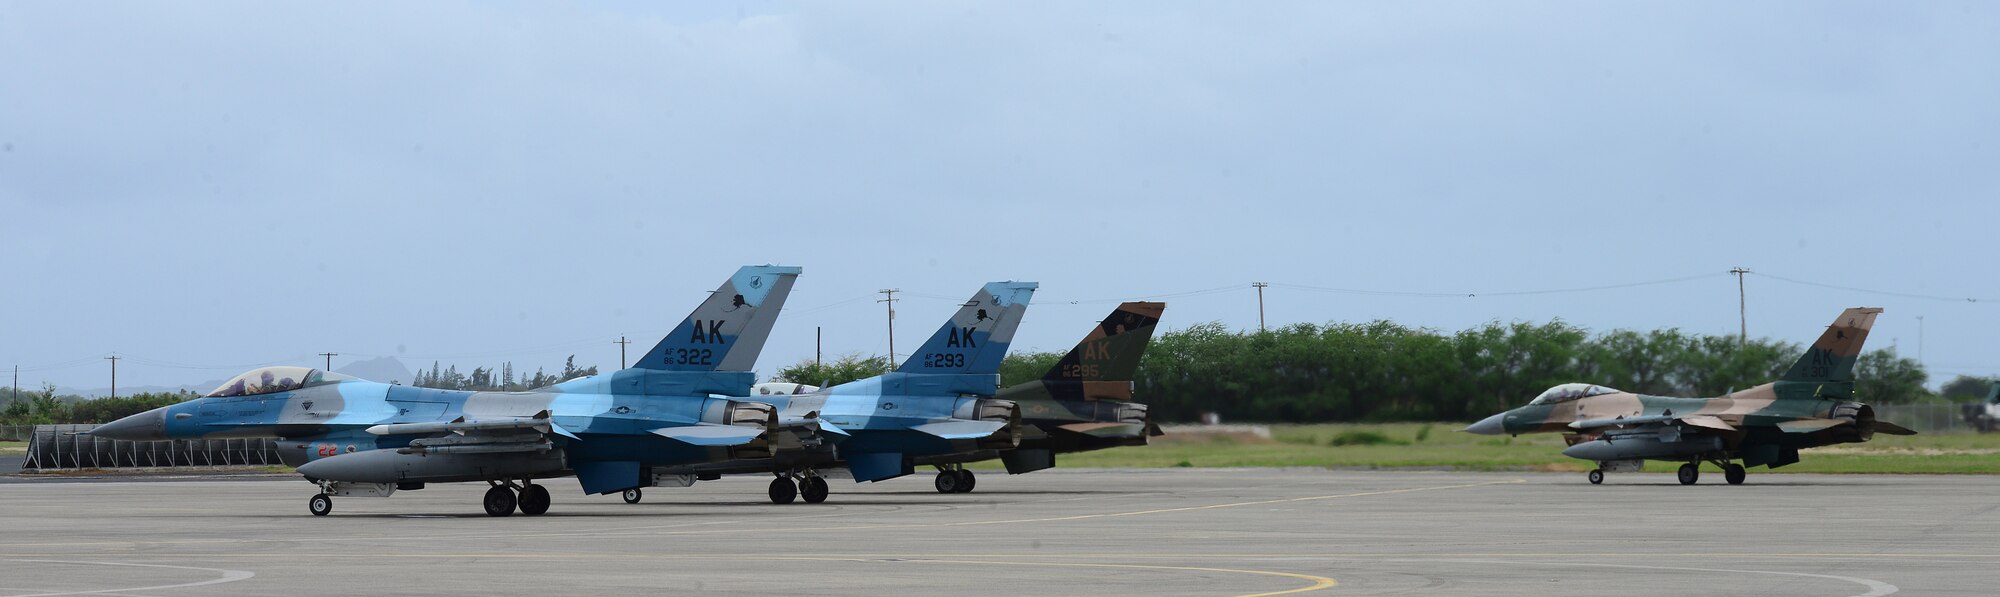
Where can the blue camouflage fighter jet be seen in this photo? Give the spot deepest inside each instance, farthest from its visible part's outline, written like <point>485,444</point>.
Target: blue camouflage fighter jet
<point>360,438</point>
<point>939,401</point>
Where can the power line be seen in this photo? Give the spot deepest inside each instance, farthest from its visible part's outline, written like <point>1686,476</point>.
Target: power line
<point>1204,291</point>
<point>1494,294</point>
<point>1910,295</point>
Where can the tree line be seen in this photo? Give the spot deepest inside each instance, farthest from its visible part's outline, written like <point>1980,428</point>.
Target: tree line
<point>1382,371</point>
<point>44,407</point>
<point>1374,371</point>
<point>486,379</point>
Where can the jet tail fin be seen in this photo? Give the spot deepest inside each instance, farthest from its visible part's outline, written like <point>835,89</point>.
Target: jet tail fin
<point>1993,395</point>
<point>1104,364</point>
<point>1831,358</point>
<point>976,338</point>
<point>728,330</point>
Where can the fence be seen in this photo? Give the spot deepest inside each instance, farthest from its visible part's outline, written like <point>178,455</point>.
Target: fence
<point>56,447</point>
<point>1926,418</point>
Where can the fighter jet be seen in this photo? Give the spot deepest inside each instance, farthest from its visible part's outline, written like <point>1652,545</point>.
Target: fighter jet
<point>1812,405</point>
<point>361,438</point>
<point>939,401</point>
<point>1083,403</point>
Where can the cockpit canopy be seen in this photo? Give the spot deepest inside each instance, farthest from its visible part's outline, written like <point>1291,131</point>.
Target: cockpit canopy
<point>274,379</point>
<point>1570,391</point>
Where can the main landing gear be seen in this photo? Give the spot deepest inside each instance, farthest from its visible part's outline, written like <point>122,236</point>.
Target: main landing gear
<point>507,496</point>
<point>632,495</point>
<point>793,485</point>
<point>1731,472</point>
<point>953,478</point>
<point>1688,473</point>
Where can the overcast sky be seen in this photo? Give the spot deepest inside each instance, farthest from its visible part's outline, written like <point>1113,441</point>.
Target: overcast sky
<point>205,187</point>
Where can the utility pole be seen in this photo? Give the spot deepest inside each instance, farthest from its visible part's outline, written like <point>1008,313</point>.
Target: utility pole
<point>1742,314</point>
<point>17,382</point>
<point>621,350</point>
<point>890,293</point>
<point>1920,340</point>
<point>817,340</point>
<point>1260,303</point>
<point>329,359</point>
<point>114,374</point>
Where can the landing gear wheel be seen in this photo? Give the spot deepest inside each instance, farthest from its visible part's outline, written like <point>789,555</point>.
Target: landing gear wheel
<point>966,481</point>
<point>632,495</point>
<point>1734,473</point>
<point>1596,476</point>
<point>534,500</point>
<point>783,490</point>
<point>1688,473</point>
<point>500,501</point>
<point>947,482</point>
<point>320,505</point>
<point>814,489</point>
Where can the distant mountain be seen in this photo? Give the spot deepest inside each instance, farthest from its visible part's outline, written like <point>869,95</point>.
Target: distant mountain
<point>385,370</point>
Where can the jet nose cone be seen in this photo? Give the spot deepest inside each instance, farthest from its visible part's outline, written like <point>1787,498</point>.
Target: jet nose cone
<point>146,426</point>
<point>1488,426</point>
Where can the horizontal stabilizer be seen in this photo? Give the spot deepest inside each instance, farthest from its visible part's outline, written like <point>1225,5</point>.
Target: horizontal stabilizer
<point>1892,428</point>
<point>1809,425</point>
<point>1106,430</point>
<point>1709,422</point>
<point>961,429</point>
<point>708,434</point>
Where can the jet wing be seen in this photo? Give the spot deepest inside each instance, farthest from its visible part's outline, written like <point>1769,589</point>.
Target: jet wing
<point>1106,430</point>
<point>961,429</point>
<point>710,434</point>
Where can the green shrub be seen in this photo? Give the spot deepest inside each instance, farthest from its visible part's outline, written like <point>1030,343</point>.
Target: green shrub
<point>1357,437</point>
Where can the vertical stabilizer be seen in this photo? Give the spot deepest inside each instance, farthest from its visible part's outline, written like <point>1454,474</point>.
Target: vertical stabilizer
<point>1103,365</point>
<point>1831,358</point>
<point>729,329</point>
<point>976,338</point>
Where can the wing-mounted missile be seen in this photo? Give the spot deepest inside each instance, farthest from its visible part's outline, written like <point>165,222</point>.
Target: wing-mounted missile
<point>1621,421</point>
<point>539,423</point>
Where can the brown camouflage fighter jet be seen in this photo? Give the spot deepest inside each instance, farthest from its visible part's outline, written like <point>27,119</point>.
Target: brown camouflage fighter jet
<point>1812,405</point>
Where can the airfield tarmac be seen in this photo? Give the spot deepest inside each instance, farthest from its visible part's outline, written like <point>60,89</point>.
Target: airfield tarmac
<point>1057,532</point>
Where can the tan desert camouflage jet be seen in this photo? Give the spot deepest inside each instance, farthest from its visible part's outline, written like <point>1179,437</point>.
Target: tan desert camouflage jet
<point>1812,405</point>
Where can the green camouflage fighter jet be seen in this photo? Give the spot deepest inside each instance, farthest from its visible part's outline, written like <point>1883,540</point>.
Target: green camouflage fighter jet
<point>1083,403</point>
<point>1812,405</point>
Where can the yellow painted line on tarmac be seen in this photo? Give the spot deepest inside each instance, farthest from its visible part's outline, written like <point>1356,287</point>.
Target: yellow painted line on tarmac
<point>1318,582</point>
<point>1237,504</point>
